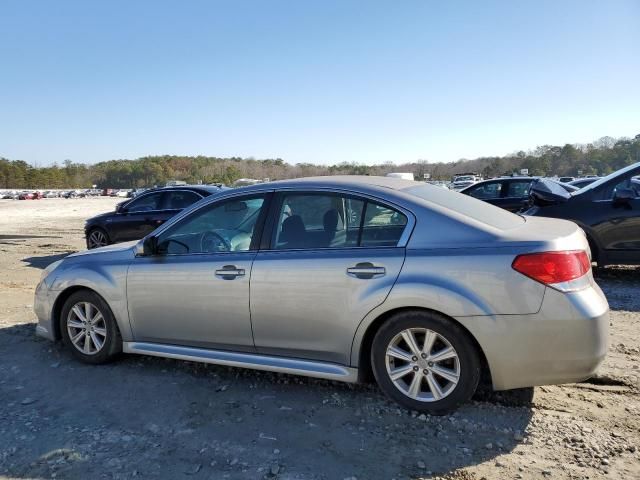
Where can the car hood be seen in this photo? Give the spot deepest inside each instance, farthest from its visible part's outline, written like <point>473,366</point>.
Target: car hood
<point>109,249</point>
<point>99,216</point>
<point>545,192</point>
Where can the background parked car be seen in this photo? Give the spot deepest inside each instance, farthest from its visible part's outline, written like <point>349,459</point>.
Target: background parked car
<point>608,210</point>
<point>510,193</point>
<point>30,196</point>
<point>75,194</point>
<point>463,181</point>
<point>11,195</point>
<point>566,179</point>
<point>139,216</point>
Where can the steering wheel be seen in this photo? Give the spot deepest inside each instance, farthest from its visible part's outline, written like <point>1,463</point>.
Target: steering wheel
<point>211,242</point>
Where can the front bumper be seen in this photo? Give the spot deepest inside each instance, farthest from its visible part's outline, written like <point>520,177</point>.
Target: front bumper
<point>565,342</point>
<point>43,308</point>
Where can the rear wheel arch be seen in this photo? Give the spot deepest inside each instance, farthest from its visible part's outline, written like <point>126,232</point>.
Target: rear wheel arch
<point>365,369</point>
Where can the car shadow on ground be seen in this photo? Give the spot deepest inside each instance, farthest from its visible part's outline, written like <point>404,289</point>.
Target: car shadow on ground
<point>44,261</point>
<point>168,418</point>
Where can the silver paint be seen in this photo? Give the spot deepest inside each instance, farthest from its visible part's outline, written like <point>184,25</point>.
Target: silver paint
<point>305,312</point>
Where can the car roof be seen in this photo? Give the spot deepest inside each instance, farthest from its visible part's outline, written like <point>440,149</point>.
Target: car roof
<point>203,188</point>
<point>356,182</point>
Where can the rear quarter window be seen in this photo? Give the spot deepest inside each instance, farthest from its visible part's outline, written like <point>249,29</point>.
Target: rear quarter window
<point>467,206</point>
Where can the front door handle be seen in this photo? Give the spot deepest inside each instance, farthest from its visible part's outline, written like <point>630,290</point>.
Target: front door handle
<point>366,270</point>
<point>229,272</point>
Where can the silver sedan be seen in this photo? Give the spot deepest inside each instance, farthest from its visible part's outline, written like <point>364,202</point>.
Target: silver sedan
<point>340,278</point>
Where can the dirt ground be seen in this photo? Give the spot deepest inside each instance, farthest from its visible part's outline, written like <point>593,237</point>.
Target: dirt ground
<point>154,418</point>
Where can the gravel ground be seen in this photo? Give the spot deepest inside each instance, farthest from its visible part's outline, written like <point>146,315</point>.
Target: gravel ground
<point>155,418</point>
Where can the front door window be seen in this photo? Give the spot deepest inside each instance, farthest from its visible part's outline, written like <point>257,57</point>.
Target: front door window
<point>226,226</point>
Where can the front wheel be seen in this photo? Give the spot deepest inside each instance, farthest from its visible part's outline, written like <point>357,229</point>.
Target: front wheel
<point>425,362</point>
<point>89,328</point>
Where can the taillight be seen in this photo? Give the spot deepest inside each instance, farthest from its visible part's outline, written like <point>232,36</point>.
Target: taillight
<point>561,270</point>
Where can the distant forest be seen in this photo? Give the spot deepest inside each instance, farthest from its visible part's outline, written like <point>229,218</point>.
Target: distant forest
<point>598,158</point>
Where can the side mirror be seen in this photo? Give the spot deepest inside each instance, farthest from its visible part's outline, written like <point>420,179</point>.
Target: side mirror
<point>622,196</point>
<point>120,208</point>
<point>147,246</point>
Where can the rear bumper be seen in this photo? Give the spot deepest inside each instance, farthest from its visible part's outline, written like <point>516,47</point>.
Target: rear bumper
<point>566,341</point>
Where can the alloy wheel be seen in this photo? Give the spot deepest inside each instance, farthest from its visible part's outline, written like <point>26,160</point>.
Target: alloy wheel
<point>87,328</point>
<point>422,364</point>
<point>97,239</point>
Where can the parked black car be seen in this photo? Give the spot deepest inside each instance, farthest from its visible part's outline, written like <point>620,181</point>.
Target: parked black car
<point>608,210</point>
<point>510,193</point>
<point>139,216</point>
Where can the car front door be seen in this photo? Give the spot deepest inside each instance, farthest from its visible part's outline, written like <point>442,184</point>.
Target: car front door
<point>514,194</point>
<point>194,291</point>
<point>327,259</point>
<point>615,222</point>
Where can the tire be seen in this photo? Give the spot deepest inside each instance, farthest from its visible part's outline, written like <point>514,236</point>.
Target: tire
<point>104,342</point>
<point>453,353</point>
<point>97,237</point>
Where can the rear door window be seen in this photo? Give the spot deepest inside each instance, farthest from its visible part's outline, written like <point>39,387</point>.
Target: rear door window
<point>518,189</point>
<point>180,199</point>
<point>382,226</point>
<point>332,220</point>
<point>318,221</point>
<point>486,191</point>
<point>146,203</point>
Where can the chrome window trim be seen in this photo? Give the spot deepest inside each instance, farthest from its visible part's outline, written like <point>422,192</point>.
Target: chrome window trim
<point>402,242</point>
<point>208,204</point>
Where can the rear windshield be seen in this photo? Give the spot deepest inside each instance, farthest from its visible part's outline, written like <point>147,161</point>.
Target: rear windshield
<point>467,206</point>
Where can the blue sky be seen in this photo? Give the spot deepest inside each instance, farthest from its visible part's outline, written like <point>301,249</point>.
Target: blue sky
<point>313,81</point>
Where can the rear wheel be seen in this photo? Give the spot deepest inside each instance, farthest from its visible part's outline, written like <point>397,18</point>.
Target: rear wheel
<point>425,362</point>
<point>89,329</point>
<point>97,238</point>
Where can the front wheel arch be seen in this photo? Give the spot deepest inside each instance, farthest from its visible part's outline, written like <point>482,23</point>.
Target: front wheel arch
<point>59,303</point>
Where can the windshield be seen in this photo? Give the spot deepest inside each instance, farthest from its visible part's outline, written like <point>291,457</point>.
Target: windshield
<point>611,176</point>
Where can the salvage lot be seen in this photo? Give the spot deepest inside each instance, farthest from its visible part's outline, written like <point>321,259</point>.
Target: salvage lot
<point>159,418</point>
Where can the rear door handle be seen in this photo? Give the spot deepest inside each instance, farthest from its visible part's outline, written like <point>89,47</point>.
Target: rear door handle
<point>229,272</point>
<point>366,270</point>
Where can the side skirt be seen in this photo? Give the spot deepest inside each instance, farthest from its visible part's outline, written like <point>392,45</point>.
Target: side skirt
<point>308,368</point>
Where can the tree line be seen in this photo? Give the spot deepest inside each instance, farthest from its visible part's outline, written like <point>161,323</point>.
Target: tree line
<point>598,158</point>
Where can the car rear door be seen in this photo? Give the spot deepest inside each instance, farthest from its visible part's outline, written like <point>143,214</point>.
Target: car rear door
<point>327,259</point>
<point>173,202</point>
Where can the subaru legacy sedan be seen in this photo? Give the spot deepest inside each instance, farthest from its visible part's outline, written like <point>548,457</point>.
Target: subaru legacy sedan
<point>340,278</point>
